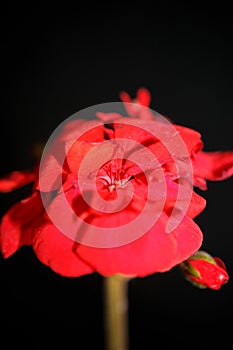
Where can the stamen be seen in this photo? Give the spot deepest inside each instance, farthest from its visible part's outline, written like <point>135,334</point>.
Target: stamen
<point>113,175</point>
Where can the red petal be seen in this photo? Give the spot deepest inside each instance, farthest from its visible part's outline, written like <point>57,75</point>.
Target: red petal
<point>155,251</point>
<point>51,165</point>
<point>15,180</point>
<point>189,239</point>
<point>188,200</point>
<point>191,138</point>
<point>18,223</point>
<point>57,251</point>
<point>200,183</point>
<point>52,162</point>
<point>124,96</point>
<point>135,130</point>
<point>138,107</point>
<point>85,159</point>
<point>91,131</point>
<point>173,141</point>
<point>82,129</point>
<point>50,170</point>
<point>143,97</point>
<point>213,165</point>
<point>76,154</point>
<point>197,205</point>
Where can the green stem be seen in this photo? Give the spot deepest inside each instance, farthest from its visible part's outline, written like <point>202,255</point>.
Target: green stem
<point>116,312</point>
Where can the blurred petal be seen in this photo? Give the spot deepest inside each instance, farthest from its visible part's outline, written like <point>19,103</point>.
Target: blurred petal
<point>143,97</point>
<point>18,224</point>
<point>213,166</point>
<point>138,107</point>
<point>15,180</point>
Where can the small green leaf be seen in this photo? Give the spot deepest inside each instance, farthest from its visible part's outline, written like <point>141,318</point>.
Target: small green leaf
<point>202,255</point>
<point>186,266</point>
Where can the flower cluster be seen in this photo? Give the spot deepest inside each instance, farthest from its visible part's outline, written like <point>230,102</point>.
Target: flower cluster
<point>123,174</point>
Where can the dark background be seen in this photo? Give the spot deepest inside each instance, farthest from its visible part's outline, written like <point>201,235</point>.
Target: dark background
<point>58,60</point>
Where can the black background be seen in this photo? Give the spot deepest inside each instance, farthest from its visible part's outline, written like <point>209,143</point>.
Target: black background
<point>58,60</point>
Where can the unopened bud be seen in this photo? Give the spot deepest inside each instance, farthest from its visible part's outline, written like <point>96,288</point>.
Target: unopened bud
<point>205,271</point>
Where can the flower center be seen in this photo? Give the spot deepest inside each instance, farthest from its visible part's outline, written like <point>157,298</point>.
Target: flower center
<point>113,175</point>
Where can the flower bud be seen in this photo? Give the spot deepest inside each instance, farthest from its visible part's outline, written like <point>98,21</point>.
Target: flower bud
<point>205,271</point>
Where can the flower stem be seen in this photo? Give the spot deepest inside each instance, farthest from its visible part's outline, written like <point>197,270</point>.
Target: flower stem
<point>116,312</point>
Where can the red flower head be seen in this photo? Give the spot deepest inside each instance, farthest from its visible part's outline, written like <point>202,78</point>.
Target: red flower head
<point>203,271</point>
<point>114,194</point>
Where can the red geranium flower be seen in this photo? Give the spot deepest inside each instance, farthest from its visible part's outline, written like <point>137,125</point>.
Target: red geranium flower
<point>108,185</point>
